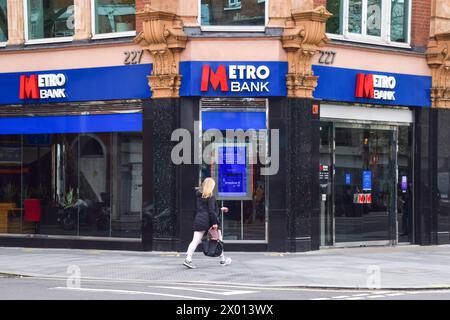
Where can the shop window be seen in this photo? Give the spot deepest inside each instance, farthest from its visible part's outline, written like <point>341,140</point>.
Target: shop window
<point>3,21</point>
<point>233,14</point>
<point>114,17</point>
<point>87,184</point>
<point>385,22</point>
<point>51,20</point>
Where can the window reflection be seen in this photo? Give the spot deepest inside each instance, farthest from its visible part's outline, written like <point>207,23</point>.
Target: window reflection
<point>50,19</point>
<point>72,184</point>
<point>233,12</point>
<point>399,20</point>
<point>114,16</point>
<point>3,21</point>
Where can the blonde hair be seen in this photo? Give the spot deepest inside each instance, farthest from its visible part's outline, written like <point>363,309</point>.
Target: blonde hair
<point>208,187</point>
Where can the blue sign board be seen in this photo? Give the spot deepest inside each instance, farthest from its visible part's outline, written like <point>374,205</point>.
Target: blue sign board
<point>339,84</point>
<point>232,173</point>
<point>233,79</point>
<point>348,180</point>
<point>367,180</point>
<point>88,84</point>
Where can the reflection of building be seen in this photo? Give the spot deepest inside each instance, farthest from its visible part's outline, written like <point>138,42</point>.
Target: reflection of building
<point>233,12</point>
<point>99,159</point>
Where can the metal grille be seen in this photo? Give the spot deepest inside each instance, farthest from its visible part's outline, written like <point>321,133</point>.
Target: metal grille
<point>81,108</point>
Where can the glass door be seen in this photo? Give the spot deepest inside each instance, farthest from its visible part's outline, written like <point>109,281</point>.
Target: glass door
<point>364,183</point>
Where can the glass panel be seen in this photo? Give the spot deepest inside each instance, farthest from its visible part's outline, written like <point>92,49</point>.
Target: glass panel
<point>404,189</point>
<point>374,16</point>
<point>399,20</point>
<point>10,180</point>
<point>127,185</point>
<point>50,19</point>
<point>242,186</point>
<point>326,173</point>
<point>364,184</point>
<point>3,21</point>
<point>355,16</point>
<point>334,24</point>
<point>71,184</point>
<point>115,16</point>
<point>233,12</point>
<point>92,152</point>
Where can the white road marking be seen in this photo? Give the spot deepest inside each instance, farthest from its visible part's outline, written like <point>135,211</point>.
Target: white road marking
<point>224,293</point>
<point>375,297</point>
<point>361,295</point>
<point>340,297</point>
<point>129,292</point>
<point>320,299</point>
<point>356,298</point>
<point>395,294</point>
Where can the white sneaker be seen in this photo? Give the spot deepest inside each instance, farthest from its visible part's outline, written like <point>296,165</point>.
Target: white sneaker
<point>188,264</point>
<point>225,262</point>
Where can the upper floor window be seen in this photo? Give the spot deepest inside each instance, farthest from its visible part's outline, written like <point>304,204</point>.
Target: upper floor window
<point>3,21</point>
<point>47,19</point>
<point>114,16</point>
<point>374,21</point>
<point>233,13</point>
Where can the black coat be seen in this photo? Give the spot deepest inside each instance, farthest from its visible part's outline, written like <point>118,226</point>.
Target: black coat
<point>206,212</point>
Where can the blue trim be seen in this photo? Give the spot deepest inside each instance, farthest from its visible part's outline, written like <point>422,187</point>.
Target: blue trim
<point>223,120</point>
<point>72,124</point>
<point>88,84</point>
<point>339,84</point>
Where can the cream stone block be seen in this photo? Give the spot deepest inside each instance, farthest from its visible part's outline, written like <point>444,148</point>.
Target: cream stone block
<point>16,33</point>
<point>83,21</point>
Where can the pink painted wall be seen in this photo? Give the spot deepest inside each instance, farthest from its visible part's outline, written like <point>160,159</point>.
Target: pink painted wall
<point>377,60</point>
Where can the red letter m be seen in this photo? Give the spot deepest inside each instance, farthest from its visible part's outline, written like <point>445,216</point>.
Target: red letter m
<point>28,87</point>
<point>220,77</point>
<point>364,86</point>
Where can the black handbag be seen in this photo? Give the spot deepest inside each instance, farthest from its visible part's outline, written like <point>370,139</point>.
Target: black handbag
<point>212,247</point>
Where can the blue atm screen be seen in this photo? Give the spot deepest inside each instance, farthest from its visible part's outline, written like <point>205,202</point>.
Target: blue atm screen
<point>232,172</point>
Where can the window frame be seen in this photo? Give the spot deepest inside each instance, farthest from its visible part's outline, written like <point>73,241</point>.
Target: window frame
<point>96,36</point>
<point>42,40</point>
<point>385,38</point>
<point>4,43</point>
<point>229,28</point>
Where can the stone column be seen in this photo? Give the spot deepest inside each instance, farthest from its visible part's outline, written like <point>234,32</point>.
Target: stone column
<point>83,21</point>
<point>16,33</point>
<point>302,37</point>
<point>438,55</point>
<point>164,38</point>
<point>438,58</point>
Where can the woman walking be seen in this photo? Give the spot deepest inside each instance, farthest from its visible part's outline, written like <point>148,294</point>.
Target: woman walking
<point>206,217</point>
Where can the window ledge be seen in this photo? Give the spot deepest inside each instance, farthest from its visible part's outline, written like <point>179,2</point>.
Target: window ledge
<point>49,40</point>
<point>2,44</point>
<point>197,32</point>
<point>368,41</point>
<point>233,28</point>
<point>232,8</point>
<point>113,35</point>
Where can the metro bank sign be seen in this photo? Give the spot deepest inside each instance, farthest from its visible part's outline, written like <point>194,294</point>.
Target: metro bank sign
<point>42,86</point>
<point>377,87</point>
<point>233,79</point>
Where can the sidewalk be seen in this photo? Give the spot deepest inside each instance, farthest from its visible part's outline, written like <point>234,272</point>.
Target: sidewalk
<point>403,267</point>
